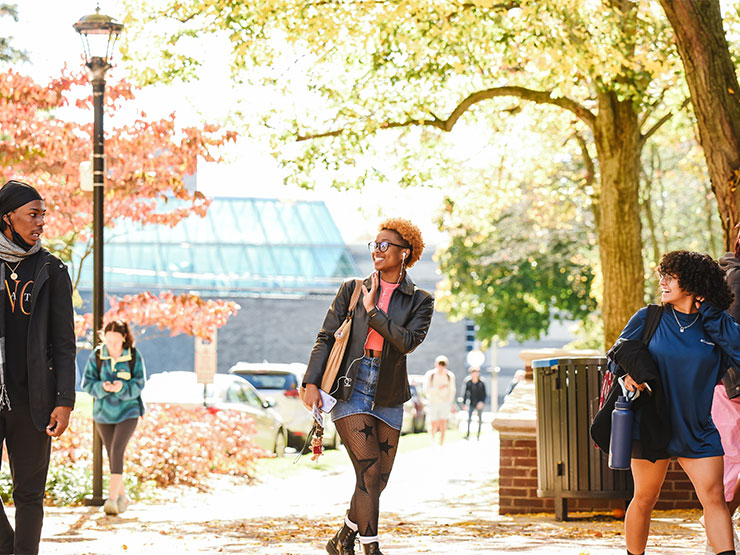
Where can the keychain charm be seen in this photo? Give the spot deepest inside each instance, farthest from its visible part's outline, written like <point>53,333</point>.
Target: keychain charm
<point>317,444</point>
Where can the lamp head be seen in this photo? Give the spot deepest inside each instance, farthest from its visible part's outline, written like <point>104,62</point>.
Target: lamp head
<point>99,34</point>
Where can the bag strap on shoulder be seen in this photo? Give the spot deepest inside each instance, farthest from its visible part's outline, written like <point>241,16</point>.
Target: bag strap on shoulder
<point>355,298</point>
<point>654,313</point>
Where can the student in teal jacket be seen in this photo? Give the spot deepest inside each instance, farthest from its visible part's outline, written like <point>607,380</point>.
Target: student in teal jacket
<point>114,377</point>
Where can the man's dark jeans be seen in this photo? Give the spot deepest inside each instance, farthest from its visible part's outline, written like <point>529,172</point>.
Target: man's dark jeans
<point>472,409</point>
<point>28,452</point>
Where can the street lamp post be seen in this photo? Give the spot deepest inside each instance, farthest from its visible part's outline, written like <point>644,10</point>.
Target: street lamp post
<point>99,34</point>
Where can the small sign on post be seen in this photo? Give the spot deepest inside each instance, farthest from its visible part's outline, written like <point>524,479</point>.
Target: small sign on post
<point>86,176</point>
<point>205,363</point>
<point>205,359</point>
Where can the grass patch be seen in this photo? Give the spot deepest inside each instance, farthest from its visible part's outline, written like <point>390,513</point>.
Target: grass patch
<point>414,442</point>
<point>83,403</point>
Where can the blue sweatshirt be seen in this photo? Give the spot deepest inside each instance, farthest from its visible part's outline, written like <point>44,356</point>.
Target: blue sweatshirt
<point>112,408</point>
<point>690,365</point>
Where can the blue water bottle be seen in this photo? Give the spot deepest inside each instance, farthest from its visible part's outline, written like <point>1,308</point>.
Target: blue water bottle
<point>620,444</point>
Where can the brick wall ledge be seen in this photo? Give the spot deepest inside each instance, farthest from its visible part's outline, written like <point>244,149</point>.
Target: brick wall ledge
<point>518,415</point>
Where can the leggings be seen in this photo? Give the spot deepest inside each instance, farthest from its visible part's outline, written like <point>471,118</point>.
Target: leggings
<point>115,438</point>
<point>371,444</point>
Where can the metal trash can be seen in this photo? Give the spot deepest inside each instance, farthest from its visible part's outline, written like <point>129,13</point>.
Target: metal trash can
<point>569,465</point>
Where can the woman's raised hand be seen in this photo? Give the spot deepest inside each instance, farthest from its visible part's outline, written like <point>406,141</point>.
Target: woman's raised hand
<point>369,297</point>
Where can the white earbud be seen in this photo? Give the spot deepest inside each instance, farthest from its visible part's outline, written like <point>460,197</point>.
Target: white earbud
<point>403,255</point>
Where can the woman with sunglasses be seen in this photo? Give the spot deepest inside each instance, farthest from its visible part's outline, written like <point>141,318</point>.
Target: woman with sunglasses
<point>390,321</point>
<point>692,346</point>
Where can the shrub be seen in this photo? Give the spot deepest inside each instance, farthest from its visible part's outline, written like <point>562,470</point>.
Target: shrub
<point>176,445</point>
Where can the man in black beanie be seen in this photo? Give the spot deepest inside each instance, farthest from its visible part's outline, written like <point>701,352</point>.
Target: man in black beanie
<point>37,359</point>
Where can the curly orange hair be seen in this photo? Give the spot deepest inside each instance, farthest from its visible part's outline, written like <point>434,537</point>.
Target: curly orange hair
<point>409,233</point>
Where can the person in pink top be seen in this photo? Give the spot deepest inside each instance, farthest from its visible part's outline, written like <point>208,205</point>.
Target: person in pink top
<point>726,411</point>
<point>390,321</point>
<point>439,389</point>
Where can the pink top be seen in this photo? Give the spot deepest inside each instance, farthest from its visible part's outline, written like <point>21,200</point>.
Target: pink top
<point>374,340</point>
<point>726,417</point>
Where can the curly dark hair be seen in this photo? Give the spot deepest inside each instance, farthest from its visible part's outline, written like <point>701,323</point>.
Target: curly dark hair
<point>698,274</point>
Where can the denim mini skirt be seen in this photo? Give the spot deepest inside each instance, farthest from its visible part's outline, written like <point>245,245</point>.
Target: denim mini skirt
<point>361,401</point>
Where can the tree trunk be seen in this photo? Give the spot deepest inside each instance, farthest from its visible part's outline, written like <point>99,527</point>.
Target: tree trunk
<point>618,143</point>
<point>715,96</point>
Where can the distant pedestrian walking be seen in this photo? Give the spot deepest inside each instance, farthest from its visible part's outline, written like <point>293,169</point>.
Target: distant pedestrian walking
<point>391,321</point>
<point>37,359</point>
<point>475,397</point>
<point>115,377</point>
<point>439,388</point>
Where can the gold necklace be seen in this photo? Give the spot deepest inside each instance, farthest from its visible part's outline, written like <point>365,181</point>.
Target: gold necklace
<point>13,275</point>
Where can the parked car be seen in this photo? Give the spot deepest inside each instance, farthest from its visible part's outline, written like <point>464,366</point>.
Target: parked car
<point>227,392</point>
<point>280,382</point>
<point>414,414</point>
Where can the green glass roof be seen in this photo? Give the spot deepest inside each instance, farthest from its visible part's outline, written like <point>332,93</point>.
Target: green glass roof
<point>242,245</point>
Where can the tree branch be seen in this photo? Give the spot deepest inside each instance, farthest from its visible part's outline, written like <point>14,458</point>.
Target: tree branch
<point>538,97</point>
<point>650,110</point>
<point>661,121</point>
<point>587,160</point>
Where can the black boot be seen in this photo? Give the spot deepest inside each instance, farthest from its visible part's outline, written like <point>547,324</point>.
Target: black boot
<point>371,548</point>
<point>343,542</point>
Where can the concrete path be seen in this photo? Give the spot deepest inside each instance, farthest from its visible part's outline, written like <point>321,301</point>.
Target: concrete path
<point>439,500</point>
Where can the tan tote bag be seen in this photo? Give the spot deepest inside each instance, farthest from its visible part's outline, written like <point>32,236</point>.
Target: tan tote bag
<point>341,336</point>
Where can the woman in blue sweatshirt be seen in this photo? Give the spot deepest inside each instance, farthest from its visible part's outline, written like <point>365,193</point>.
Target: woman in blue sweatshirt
<point>694,343</point>
<point>114,377</point>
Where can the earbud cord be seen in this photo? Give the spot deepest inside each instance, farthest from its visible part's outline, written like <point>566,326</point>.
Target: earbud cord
<point>403,265</point>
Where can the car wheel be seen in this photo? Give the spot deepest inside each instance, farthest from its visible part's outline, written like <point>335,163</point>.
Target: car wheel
<point>280,443</point>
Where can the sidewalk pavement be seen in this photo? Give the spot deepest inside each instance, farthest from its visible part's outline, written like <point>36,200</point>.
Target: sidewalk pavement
<point>439,500</point>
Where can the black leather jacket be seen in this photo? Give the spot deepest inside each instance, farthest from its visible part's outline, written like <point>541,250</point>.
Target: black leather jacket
<point>403,328</point>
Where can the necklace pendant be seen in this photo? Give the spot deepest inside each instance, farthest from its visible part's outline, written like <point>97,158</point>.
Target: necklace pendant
<point>682,329</point>
<point>13,276</point>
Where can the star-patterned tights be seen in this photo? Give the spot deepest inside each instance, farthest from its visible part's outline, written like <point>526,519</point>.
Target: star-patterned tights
<point>371,444</point>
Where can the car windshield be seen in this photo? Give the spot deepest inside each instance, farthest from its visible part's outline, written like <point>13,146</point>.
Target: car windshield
<point>265,380</point>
